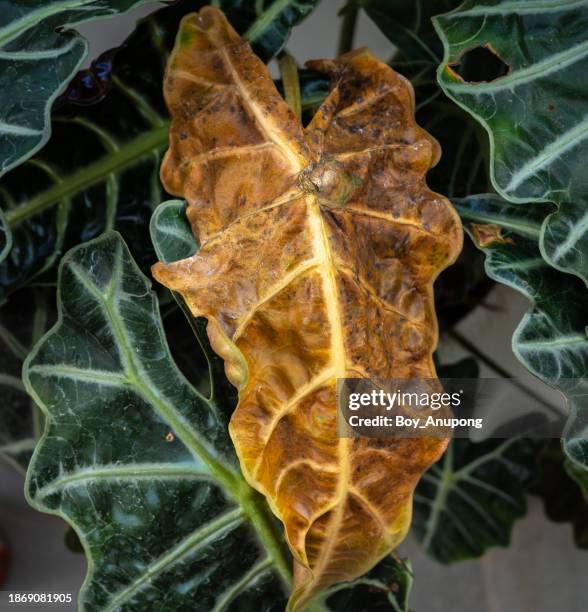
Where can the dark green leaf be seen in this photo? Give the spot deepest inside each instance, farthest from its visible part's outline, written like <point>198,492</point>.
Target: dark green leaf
<point>551,340</point>
<point>386,587</point>
<point>407,24</point>
<point>469,501</point>
<point>536,115</point>
<point>39,53</point>
<point>136,459</point>
<point>100,168</point>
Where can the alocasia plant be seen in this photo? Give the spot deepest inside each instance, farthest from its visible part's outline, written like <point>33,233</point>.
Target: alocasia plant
<point>311,256</point>
<point>536,117</point>
<point>292,292</point>
<point>158,501</point>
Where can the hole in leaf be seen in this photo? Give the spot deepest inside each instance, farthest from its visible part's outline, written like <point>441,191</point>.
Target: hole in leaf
<point>481,64</point>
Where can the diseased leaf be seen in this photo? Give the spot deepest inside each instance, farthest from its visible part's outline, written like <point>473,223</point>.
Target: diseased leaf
<point>388,584</point>
<point>408,26</point>
<point>107,175</point>
<point>462,167</point>
<point>136,459</point>
<point>319,247</point>
<point>551,341</point>
<point>39,53</point>
<point>536,115</point>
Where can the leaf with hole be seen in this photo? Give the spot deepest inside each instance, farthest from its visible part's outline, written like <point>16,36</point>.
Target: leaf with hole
<point>310,269</point>
<point>536,114</point>
<point>551,341</point>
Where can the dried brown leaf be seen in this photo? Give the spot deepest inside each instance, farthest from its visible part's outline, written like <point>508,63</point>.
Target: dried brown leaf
<point>319,249</point>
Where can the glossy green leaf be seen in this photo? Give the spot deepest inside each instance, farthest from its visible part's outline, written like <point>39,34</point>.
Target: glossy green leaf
<point>100,170</point>
<point>136,459</point>
<point>551,340</point>
<point>39,53</point>
<point>469,501</point>
<point>536,115</point>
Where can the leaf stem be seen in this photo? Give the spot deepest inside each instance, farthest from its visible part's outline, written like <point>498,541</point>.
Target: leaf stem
<point>255,508</point>
<point>91,174</point>
<point>291,83</point>
<point>347,36</point>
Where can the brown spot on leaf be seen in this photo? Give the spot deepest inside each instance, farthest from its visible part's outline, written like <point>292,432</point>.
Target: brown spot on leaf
<point>488,234</point>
